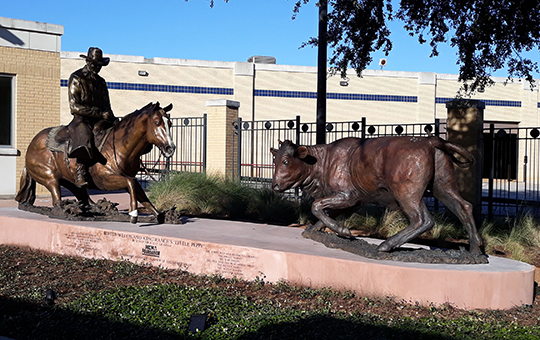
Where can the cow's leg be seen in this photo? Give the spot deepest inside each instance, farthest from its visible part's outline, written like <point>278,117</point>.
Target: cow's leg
<point>420,221</point>
<point>450,197</point>
<point>446,190</point>
<point>321,207</point>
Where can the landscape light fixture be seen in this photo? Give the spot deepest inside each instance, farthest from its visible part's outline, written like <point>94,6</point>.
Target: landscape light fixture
<point>143,73</point>
<point>50,296</point>
<point>197,323</point>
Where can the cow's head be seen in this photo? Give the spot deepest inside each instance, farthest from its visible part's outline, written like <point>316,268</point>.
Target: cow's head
<point>290,167</point>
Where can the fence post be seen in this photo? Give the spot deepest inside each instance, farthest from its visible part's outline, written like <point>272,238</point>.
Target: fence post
<point>221,114</point>
<point>491,171</point>
<point>465,125</point>
<point>363,127</point>
<point>239,153</point>
<point>205,141</point>
<point>297,130</point>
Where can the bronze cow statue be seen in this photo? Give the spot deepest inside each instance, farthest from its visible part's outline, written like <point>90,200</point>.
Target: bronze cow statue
<point>391,171</point>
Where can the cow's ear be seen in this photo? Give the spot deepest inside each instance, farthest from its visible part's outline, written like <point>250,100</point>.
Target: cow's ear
<point>302,152</point>
<point>273,151</point>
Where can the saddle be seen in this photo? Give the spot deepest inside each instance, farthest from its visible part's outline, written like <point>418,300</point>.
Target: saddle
<point>59,137</point>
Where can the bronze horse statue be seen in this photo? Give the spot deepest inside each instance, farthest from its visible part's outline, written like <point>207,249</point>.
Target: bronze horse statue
<point>122,146</point>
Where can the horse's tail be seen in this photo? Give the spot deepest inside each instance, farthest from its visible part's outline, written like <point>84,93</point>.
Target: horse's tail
<point>450,149</point>
<point>27,190</point>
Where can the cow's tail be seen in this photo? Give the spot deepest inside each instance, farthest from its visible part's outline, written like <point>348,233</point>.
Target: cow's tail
<point>27,189</point>
<point>451,149</point>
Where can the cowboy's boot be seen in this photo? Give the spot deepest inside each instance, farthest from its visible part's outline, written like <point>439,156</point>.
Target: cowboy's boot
<point>80,177</point>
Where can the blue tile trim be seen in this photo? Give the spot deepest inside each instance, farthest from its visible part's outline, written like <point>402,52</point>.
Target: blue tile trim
<point>340,96</point>
<point>538,104</point>
<point>508,103</point>
<point>163,88</point>
<point>285,94</point>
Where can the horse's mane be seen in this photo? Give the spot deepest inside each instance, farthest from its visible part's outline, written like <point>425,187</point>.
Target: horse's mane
<point>148,108</point>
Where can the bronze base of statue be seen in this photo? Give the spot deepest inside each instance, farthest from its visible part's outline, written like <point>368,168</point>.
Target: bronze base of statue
<point>365,249</point>
<point>102,210</point>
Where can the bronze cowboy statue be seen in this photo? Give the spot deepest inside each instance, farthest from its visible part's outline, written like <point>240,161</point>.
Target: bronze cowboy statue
<point>91,109</point>
<point>97,143</point>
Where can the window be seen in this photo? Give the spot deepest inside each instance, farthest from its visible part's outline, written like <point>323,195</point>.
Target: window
<point>6,110</point>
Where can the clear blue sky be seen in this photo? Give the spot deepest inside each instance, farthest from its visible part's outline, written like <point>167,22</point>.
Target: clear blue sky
<point>231,31</point>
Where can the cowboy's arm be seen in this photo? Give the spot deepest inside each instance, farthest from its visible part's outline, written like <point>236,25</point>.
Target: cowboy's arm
<point>107,112</point>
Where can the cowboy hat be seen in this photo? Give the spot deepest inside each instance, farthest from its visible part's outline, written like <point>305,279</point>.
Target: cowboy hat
<point>95,55</point>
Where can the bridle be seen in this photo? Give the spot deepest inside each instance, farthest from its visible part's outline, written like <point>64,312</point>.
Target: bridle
<point>122,171</point>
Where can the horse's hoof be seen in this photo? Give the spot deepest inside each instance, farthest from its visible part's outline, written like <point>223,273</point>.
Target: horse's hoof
<point>134,216</point>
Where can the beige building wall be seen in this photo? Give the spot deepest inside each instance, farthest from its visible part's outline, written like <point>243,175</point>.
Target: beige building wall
<point>270,91</point>
<point>282,92</point>
<point>32,58</point>
<point>204,76</point>
<point>512,102</point>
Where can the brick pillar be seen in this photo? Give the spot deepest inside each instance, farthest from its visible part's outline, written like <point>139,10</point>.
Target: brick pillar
<point>221,153</point>
<point>465,125</point>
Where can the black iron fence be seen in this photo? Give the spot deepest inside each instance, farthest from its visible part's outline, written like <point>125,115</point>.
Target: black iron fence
<point>255,138</point>
<point>511,172</point>
<point>511,164</point>
<point>189,136</point>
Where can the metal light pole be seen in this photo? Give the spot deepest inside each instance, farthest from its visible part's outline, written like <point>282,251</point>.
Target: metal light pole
<point>321,73</point>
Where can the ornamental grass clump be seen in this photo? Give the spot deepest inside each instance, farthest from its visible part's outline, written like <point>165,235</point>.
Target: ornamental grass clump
<point>518,237</point>
<point>199,194</point>
<point>202,195</point>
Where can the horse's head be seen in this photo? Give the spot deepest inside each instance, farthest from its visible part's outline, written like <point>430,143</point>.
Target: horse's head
<point>159,129</point>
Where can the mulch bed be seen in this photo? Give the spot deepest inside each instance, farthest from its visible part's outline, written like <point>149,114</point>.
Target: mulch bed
<point>26,275</point>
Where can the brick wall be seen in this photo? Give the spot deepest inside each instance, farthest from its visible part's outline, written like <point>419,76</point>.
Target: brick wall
<point>37,95</point>
<point>222,154</point>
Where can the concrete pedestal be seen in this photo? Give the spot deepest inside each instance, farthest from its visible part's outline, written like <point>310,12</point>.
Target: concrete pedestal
<point>249,250</point>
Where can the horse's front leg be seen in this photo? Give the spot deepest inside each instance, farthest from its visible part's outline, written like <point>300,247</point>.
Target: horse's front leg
<point>137,194</point>
<point>131,188</point>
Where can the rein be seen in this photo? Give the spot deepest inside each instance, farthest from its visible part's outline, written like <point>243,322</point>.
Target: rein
<point>146,169</point>
<point>122,171</point>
